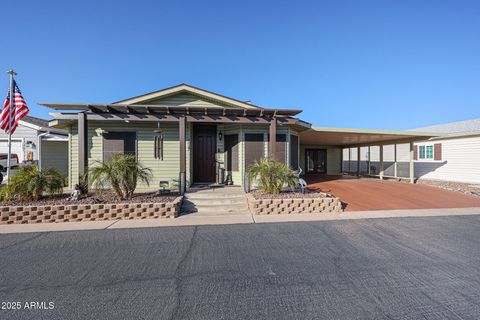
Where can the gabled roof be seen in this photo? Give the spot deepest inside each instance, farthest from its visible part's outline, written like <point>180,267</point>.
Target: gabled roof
<point>35,121</point>
<point>40,125</point>
<point>185,88</point>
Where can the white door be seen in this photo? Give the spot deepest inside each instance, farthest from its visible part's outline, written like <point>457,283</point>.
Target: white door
<point>16,148</point>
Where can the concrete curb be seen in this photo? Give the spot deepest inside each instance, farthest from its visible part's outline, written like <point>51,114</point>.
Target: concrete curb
<point>192,220</point>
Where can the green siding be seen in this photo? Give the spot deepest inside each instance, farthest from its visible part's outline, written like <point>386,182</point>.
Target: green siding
<point>166,169</point>
<point>169,167</point>
<point>185,100</point>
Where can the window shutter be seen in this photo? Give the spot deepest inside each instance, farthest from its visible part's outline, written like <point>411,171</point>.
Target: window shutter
<point>437,151</point>
<point>415,152</point>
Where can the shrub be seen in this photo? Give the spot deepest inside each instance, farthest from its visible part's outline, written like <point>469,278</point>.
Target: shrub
<point>271,175</point>
<point>30,184</point>
<point>121,174</point>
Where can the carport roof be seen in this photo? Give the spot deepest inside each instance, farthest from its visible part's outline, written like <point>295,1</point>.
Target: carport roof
<point>349,137</point>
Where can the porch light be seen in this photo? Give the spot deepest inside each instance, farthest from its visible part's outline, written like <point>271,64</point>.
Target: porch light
<point>220,136</point>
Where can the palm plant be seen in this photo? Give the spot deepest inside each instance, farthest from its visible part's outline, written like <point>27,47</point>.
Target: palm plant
<point>271,175</point>
<point>121,173</point>
<point>30,184</point>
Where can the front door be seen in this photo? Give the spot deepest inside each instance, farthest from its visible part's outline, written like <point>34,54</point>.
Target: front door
<point>203,155</point>
<point>316,160</point>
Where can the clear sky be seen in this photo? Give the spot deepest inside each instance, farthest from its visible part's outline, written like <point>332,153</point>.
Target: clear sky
<point>374,64</point>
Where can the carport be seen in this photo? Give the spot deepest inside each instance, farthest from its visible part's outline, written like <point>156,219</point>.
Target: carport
<point>357,157</point>
<point>352,142</point>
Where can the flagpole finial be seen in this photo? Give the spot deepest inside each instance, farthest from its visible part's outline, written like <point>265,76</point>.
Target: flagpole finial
<point>11,72</point>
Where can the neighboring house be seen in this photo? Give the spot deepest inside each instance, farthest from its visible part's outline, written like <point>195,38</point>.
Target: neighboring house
<point>455,156</point>
<point>34,137</point>
<point>188,135</point>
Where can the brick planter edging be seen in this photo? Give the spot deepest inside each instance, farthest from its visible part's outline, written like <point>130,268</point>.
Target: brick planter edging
<point>293,205</point>
<point>89,212</point>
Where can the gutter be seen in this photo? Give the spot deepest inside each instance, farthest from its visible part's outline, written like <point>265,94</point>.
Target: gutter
<point>39,150</point>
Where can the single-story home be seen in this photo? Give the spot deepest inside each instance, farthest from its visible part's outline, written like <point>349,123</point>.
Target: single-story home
<point>187,135</point>
<point>34,141</point>
<point>453,156</point>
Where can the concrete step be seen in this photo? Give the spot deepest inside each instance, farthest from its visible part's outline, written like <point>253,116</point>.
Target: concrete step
<point>208,196</point>
<point>218,201</point>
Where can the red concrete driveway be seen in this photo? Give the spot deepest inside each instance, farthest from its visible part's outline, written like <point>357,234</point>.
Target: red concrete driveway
<point>373,194</point>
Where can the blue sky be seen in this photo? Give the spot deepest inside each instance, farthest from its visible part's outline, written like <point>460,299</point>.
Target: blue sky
<point>374,64</point>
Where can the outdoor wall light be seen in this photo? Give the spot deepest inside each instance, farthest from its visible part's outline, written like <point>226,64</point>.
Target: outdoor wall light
<point>220,136</point>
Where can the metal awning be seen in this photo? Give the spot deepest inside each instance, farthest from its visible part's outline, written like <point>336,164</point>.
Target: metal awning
<point>347,137</point>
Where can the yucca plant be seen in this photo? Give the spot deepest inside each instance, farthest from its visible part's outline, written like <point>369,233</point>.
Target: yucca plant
<point>30,184</point>
<point>271,175</point>
<point>121,173</point>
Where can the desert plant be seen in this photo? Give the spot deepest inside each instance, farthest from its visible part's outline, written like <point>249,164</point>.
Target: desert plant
<point>30,184</point>
<point>271,175</point>
<point>121,173</point>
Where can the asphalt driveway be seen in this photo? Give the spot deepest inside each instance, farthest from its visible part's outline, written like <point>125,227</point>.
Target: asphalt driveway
<point>398,268</point>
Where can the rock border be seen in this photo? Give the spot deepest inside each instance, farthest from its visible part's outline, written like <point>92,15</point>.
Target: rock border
<point>325,204</point>
<point>89,212</point>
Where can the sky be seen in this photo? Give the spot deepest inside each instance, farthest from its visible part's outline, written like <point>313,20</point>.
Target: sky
<point>358,64</point>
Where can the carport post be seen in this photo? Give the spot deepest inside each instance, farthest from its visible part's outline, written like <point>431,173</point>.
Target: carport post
<point>358,161</point>
<point>381,162</point>
<point>369,161</point>
<point>411,166</point>
<point>395,166</point>
<point>349,160</point>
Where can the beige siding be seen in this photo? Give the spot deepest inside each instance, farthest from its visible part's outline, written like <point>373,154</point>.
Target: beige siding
<point>460,161</point>
<point>55,155</point>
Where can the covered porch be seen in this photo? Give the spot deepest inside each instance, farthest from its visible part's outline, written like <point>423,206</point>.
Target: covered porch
<point>184,145</point>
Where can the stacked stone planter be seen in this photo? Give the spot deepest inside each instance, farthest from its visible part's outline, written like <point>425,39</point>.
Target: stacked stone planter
<point>323,204</point>
<point>89,212</point>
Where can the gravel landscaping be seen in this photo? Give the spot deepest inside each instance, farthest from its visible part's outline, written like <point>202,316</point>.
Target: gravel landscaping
<point>291,195</point>
<point>96,198</point>
<point>466,188</point>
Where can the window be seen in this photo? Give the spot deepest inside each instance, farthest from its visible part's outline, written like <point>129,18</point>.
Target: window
<point>421,152</point>
<point>118,142</point>
<point>429,152</point>
<point>425,152</point>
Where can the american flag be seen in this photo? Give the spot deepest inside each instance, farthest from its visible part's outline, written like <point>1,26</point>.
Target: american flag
<point>19,110</point>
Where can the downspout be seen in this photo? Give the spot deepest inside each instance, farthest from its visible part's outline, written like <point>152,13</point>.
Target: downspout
<point>39,149</point>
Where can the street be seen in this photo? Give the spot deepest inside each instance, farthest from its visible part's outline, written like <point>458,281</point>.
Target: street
<point>397,268</point>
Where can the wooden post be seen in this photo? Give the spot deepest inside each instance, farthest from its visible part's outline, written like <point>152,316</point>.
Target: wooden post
<point>273,138</point>
<point>349,160</point>
<point>395,164</point>
<point>381,162</point>
<point>341,161</point>
<point>82,144</point>
<point>411,166</point>
<point>182,123</point>
<point>358,161</point>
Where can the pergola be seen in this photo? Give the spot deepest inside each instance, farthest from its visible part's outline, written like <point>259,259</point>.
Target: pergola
<point>347,138</point>
<point>168,113</point>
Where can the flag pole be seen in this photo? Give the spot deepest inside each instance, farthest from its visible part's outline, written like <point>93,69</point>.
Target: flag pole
<point>12,102</point>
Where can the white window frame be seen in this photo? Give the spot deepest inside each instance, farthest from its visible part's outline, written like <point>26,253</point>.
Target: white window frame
<point>426,146</point>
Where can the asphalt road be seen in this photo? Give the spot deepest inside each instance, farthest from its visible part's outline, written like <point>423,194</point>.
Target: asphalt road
<point>399,268</point>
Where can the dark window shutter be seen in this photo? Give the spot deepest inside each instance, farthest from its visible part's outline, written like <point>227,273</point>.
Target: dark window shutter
<point>294,152</point>
<point>253,148</point>
<point>231,152</point>
<point>415,152</point>
<point>437,151</point>
<point>118,143</point>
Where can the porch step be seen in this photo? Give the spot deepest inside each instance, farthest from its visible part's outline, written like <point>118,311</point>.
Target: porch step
<point>206,200</point>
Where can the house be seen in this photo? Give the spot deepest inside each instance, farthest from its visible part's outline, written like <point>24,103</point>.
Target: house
<point>34,141</point>
<point>454,156</point>
<point>187,135</point>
